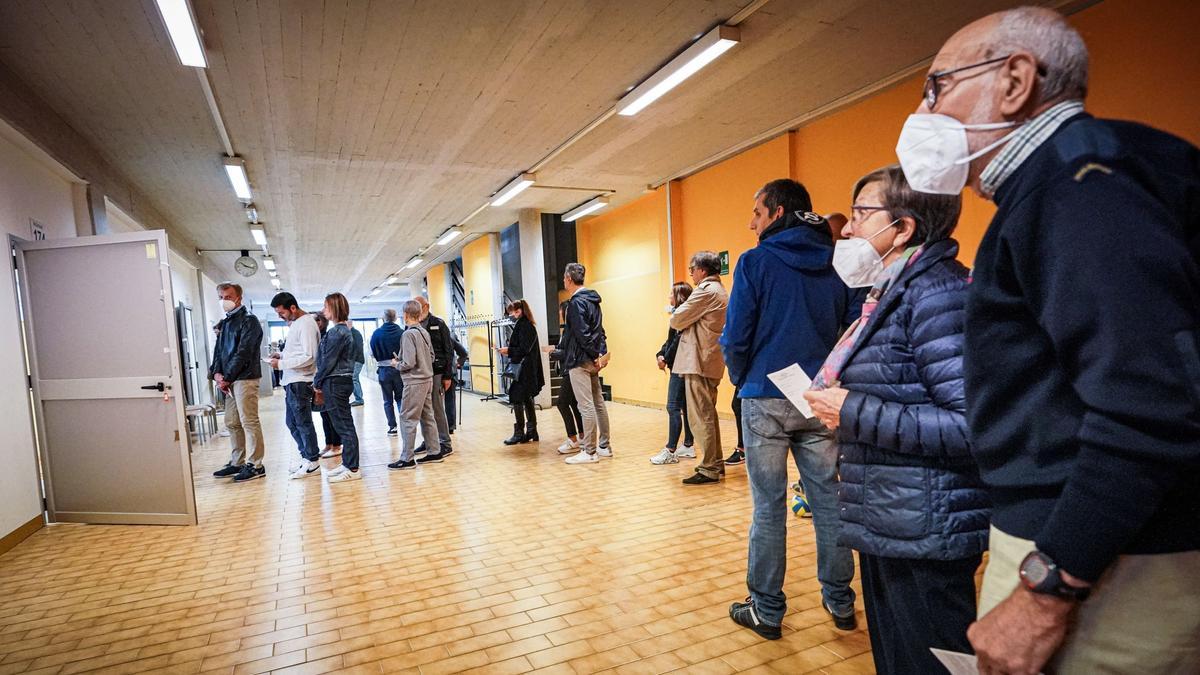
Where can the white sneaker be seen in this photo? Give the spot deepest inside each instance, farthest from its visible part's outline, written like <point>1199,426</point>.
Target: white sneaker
<point>664,456</point>
<point>330,451</point>
<point>604,451</point>
<point>582,458</point>
<point>307,469</point>
<point>293,468</point>
<point>224,433</point>
<point>342,474</point>
<point>568,447</point>
<point>687,452</point>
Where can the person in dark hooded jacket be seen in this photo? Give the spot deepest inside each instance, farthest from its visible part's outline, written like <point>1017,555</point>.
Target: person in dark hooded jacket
<point>385,345</point>
<point>583,344</point>
<point>788,306</point>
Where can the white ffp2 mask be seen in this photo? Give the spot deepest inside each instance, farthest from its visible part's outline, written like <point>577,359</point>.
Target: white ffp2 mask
<point>857,262</point>
<point>934,154</point>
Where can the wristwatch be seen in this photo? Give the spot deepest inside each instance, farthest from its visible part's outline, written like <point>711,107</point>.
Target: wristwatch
<point>1040,574</point>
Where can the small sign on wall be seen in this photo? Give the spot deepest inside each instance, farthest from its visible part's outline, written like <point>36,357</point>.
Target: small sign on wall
<point>724,256</point>
<point>37,230</point>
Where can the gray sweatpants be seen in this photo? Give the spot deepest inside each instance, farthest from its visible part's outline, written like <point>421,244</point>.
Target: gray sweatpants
<point>439,412</point>
<point>591,408</point>
<point>416,407</point>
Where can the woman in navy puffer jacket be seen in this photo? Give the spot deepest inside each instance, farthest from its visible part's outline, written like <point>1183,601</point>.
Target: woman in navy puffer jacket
<point>911,501</point>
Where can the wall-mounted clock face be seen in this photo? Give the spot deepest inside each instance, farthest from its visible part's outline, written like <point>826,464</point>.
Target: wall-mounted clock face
<point>246,266</point>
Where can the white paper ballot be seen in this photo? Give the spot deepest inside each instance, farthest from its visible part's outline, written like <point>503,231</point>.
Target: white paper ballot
<point>956,662</point>
<point>793,382</point>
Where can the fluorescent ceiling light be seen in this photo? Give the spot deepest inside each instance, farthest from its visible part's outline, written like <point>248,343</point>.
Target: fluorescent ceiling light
<point>268,262</point>
<point>714,43</point>
<point>417,260</point>
<point>273,274</point>
<point>185,35</point>
<point>275,283</point>
<point>585,208</point>
<point>236,170</point>
<point>259,234</point>
<point>376,291</point>
<point>513,189</point>
<point>392,280</point>
<point>449,236</point>
<point>252,214</point>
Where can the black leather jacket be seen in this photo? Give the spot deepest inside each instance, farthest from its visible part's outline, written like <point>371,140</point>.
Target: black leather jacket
<point>238,345</point>
<point>583,340</point>
<point>443,349</point>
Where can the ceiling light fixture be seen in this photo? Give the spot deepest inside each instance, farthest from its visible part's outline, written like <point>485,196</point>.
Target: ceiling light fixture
<point>714,43</point>
<point>449,236</point>
<point>259,234</point>
<point>376,291</point>
<point>514,188</point>
<point>275,283</point>
<point>185,35</point>
<point>235,168</point>
<point>268,262</point>
<point>590,206</point>
<point>251,214</point>
<point>416,260</point>
<point>273,273</point>
<point>392,280</point>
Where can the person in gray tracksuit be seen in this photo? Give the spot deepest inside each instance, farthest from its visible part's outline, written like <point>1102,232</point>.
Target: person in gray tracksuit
<point>415,363</point>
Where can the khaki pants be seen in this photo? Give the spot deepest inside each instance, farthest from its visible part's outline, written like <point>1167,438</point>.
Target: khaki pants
<point>590,398</point>
<point>706,427</point>
<point>1142,617</point>
<point>241,418</point>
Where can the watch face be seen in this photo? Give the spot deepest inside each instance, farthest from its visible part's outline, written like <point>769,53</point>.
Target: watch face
<point>245,266</point>
<point>1034,570</point>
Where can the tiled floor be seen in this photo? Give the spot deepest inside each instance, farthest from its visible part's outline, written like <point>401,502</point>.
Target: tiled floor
<point>499,560</point>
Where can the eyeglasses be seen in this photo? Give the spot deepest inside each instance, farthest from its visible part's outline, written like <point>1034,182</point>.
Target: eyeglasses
<point>933,86</point>
<point>860,212</point>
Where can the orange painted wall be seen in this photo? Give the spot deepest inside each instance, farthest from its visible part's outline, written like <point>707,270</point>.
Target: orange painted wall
<point>478,263</point>
<point>435,279</point>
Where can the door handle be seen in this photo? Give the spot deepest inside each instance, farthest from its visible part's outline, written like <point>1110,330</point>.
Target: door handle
<point>156,387</point>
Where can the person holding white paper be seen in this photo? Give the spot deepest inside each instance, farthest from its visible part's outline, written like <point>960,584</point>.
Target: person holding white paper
<point>786,310</point>
<point>911,501</point>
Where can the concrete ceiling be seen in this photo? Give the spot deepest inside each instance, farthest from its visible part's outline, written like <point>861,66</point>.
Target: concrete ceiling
<point>369,126</point>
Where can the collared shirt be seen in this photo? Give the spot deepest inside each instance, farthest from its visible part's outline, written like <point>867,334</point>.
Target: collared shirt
<point>1022,144</point>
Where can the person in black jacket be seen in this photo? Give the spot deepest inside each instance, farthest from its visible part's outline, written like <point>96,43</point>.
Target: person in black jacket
<point>1082,365</point>
<point>523,352</point>
<point>443,372</point>
<point>567,404</point>
<point>892,392</point>
<point>236,369</point>
<point>333,442</point>
<point>677,418</point>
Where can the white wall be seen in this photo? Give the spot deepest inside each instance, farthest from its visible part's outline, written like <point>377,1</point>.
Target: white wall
<point>28,189</point>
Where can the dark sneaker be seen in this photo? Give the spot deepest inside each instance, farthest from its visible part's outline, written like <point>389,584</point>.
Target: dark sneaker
<point>401,465</point>
<point>744,614</point>
<point>392,431</point>
<point>447,451</point>
<point>227,471</point>
<point>431,458</point>
<point>250,472</point>
<point>843,622</point>
<point>736,457</point>
<point>798,487</point>
<point>420,448</point>
<point>355,404</point>
<point>700,479</point>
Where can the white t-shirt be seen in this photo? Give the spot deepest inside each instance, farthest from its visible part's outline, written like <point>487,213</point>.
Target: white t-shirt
<point>299,357</point>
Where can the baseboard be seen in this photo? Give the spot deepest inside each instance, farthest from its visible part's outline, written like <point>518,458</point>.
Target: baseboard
<point>10,540</point>
<point>660,406</point>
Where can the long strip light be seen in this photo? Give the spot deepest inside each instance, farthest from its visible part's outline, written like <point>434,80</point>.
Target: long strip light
<point>416,260</point>
<point>235,168</point>
<point>590,206</point>
<point>392,280</point>
<point>514,188</point>
<point>259,234</point>
<point>376,291</point>
<point>449,236</point>
<point>185,35</point>
<point>268,262</point>
<point>703,52</point>
<point>275,283</point>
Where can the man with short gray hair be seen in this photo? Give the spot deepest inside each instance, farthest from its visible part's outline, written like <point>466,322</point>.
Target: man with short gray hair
<point>385,345</point>
<point>583,343</point>
<point>1082,356</point>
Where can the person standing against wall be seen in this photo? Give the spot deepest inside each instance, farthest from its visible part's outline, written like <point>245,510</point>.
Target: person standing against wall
<point>360,360</point>
<point>237,370</point>
<point>334,380</point>
<point>443,373</point>
<point>583,344</point>
<point>700,320</point>
<point>385,345</point>
<point>298,362</point>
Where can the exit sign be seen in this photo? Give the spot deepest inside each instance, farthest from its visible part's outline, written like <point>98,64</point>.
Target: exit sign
<point>724,255</point>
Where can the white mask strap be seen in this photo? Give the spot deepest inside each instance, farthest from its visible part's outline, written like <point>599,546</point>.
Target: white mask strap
<point>991,146</point>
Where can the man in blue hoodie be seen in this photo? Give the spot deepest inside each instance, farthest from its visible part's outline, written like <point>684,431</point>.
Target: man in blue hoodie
<point>788,306</point>
<point>385,345</point>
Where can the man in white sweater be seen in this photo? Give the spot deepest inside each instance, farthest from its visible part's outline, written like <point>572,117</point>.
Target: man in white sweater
<point>298,361</point>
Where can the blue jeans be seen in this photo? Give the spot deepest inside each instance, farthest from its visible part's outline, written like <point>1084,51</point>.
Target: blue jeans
<point>357,384</point>
<point>337,403</point>
<point>298,396</point>
<point>677,419</point>
<point>773,428</point>
<point>393,390</point>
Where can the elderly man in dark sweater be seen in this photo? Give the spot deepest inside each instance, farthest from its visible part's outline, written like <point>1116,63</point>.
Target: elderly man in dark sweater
<point>1082,362</point>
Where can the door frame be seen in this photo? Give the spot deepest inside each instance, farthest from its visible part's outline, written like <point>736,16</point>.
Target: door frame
<point>159,238</point>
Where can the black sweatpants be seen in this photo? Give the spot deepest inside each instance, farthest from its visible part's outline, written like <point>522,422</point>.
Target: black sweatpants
<point>913,605</point>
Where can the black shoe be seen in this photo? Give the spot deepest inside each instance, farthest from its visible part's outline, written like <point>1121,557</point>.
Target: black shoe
<point>699,479</point>
<point>446,452</point>
<point>401,465</point>
<point>530,435</point>
<point>392,431</point>
<point>736,457</point>
<point>431,458</point>
<point>744,614</point>
<point>847,622</point>
<point>250,472</point>
<point>227,471</point>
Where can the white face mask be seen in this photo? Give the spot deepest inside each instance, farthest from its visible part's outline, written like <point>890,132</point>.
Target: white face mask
<point>934,154</point>
<point>228,306</point>
<point>857,262</point>
<point>670,309</point>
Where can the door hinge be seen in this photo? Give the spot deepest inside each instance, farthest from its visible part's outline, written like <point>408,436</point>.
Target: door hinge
<point>45,504</point>
<point>29,381</point>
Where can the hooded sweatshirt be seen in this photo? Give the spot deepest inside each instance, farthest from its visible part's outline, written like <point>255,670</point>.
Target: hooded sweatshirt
<point>583,340</point>
<point>788,305</point>
<point>385,343</point>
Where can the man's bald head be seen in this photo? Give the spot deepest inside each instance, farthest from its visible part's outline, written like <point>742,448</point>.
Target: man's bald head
<point>424,304</point>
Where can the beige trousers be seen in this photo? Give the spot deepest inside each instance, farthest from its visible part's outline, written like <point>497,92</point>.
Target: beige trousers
<point>706,426</point>
<point>1142,617</point>
<point>241,418</point>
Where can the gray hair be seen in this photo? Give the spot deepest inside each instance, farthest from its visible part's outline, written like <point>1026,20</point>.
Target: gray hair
<point>389,316</point>
<point>1060,51</point>
<point>935,215</point>
<point>412,309</point>
<point>708,261</point>
<point>575,272</point>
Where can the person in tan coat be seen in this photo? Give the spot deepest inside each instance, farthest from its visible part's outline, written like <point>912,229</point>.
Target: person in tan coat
<point>700,320</point>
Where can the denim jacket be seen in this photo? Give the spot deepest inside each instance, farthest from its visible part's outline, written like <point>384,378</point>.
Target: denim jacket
<point>336,356</point>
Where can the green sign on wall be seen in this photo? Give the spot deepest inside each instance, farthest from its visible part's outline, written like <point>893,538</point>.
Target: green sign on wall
<point>724,262</point>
